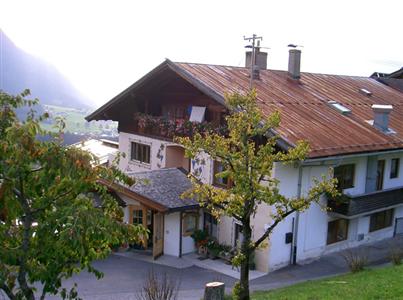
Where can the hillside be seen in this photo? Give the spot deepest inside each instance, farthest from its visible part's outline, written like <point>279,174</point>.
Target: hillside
<point>20,70</point>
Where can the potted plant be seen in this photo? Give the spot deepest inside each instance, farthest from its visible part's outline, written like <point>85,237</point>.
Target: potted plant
<point>200,238</point>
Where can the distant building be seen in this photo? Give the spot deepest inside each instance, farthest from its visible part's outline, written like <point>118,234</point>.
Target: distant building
<point>394,80</point>
<point>104,150</point>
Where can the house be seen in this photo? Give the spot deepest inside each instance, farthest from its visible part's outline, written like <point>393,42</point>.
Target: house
<point>103,150</point>
<point>353,124</point>
<point>394,79</point>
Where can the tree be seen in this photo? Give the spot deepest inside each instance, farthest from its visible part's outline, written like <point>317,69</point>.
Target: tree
<point>49,225</point>
<point>248,153</point>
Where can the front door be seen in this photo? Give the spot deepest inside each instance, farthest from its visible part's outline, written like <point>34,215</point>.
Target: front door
<point>158,235</point>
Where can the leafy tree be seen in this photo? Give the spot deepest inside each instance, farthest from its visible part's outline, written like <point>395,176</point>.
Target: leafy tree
<point>248,154</point>
<point>49,225</point>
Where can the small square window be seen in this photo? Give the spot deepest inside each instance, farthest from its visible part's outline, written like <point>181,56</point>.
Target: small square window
<point>394,168</point>
<point>381,220</point>
<point>140,152</point>
<point>345,176</point>
<point>337,231</point>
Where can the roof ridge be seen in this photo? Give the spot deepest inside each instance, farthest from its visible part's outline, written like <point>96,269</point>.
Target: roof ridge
<point>271,70</point>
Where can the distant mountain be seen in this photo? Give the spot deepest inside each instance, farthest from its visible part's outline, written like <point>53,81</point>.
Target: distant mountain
<point>20,70</point>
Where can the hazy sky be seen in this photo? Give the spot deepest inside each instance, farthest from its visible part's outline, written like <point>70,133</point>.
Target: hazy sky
<point>104,46</point>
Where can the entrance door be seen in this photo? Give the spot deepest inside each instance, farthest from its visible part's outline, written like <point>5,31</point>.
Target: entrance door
<point>158,235</point>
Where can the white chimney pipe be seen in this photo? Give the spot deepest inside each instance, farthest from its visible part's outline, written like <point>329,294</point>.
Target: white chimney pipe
<point>294,63</point>
<point>381,116</point>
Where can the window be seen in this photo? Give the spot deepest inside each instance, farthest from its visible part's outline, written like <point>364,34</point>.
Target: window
<point>345,176</point>
<point>140,152</point>
<point>337,231</point>
<point>210,224</point>
<point>138,216</point>
<point>238,238</point>
<point>219,181</point>
<point>394,168</point>
<point>379,174</point>
<point>189,223</point>
<point>381,220</point>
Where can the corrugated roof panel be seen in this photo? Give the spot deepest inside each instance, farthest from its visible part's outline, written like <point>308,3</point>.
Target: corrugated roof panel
<point>304,110</point>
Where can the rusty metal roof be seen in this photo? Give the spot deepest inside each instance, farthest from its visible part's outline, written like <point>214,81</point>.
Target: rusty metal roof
<point>305,113</point>
<point>303,104</point>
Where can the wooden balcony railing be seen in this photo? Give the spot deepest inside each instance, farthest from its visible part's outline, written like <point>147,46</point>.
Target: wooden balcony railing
<point>361,204</point>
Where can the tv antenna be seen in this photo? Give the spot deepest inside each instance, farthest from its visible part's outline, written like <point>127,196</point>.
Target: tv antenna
<point>255,43</point>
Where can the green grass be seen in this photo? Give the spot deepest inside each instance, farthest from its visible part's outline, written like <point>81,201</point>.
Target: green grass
<point>380,283</point>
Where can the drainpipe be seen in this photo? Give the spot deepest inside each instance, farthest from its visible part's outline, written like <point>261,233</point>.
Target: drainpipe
<point>295,229</point>
<point>180,233</point>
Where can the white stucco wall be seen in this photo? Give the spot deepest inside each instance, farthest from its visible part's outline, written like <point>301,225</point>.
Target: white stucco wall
<point>312,234</point>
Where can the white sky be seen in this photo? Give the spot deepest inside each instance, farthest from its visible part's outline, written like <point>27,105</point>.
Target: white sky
<point>104,46</point>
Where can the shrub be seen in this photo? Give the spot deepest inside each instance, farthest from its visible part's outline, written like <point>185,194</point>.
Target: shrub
<point>356,259</point>
<point>160,287</point>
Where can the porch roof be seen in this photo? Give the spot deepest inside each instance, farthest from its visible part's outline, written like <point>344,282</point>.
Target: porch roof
<point>164,187</point>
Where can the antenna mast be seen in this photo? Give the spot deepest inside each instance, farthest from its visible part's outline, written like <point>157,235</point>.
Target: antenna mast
<point>254,39</point>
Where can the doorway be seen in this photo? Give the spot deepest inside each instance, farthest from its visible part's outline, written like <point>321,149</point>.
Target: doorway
<point>140,215</point>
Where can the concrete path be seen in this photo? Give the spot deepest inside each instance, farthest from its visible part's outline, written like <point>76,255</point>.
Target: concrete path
<point>124,276</point>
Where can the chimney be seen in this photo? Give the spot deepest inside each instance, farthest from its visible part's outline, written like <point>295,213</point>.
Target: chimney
<point>381,116</point>
<point>294,63</point>
<point>259,64</point>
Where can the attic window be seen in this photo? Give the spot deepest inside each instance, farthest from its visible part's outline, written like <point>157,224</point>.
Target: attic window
<point>365,92</point>
<point>339,107</point>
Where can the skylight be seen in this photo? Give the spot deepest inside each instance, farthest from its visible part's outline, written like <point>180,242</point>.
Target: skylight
<point>365,92</point>
<point>339,107</point>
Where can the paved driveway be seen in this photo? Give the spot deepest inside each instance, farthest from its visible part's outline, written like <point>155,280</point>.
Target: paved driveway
<point>123,278</point>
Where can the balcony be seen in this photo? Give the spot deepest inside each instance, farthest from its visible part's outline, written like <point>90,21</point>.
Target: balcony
<point>168,128</point>
<point>351,206</point>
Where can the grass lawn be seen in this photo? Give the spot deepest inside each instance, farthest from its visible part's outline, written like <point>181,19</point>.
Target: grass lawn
<point>382,283</point>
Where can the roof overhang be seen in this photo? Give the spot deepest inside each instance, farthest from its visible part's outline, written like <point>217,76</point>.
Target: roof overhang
<point>101,113</point>
<point>118,188</point>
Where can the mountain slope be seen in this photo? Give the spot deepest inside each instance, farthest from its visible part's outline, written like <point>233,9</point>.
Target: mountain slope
<point>20,70</point>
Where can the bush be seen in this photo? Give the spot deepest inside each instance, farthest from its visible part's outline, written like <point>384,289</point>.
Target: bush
<point>160,287</point>
<point>356,259</point>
